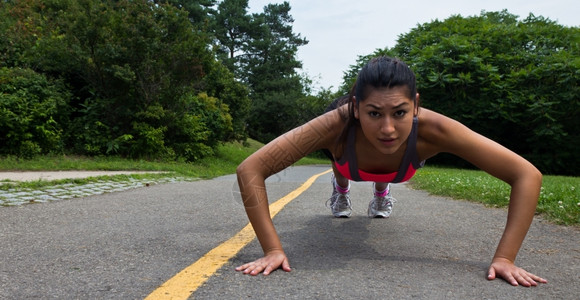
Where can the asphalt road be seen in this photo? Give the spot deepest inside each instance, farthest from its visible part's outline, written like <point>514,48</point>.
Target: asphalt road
<point>124,245</point>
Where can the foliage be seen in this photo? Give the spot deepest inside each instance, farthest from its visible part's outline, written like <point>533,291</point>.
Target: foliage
<point>221,84</point>
<point>33,110</point>
<point>529,83</point>
<point>199,11</point>
<point>312,106</point>
<point>203,122</point>
<point>172,79</point>
<point>261,51</point>
<point>232,33</point>
<point>521,91</point>
<point>272,114</point>
<point>130,64</point>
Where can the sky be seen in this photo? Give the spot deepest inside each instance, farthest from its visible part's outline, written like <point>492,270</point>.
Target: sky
<point>339,31</point>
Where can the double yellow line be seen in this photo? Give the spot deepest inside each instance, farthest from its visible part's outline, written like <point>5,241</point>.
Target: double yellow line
<point>184,283</point>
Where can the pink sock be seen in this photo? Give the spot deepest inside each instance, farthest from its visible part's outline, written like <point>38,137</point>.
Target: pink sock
<point>382,193</point>
<point>341,189</point>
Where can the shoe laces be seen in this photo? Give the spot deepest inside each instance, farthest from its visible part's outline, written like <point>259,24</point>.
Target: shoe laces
<point>381,202</point>
<point>385,200</point>
<point>335,200</point>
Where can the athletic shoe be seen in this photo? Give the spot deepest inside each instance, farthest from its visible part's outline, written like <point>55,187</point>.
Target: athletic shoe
<point>381,207</point>
<point>339,203</point>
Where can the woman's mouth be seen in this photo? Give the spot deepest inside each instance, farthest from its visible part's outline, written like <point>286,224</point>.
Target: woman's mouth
<point>387,142</point>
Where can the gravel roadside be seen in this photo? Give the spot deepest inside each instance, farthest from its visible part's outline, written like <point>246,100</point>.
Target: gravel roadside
<point>20,196</point>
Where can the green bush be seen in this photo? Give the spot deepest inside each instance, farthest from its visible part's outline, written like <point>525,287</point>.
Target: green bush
<point>32,113</point>
<point>198,128</point>
<point>190,129</point>
<point>514,81</point>
<point>521,91</point>
<point>220,83</point>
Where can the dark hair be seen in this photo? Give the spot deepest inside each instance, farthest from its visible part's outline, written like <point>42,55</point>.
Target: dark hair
<point>384,72</point>
<point>380,72</point>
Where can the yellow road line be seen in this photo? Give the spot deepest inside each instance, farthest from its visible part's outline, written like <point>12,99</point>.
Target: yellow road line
<point>184,283</point>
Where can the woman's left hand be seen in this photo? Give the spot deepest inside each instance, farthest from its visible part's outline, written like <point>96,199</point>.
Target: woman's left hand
<point>506,269</point>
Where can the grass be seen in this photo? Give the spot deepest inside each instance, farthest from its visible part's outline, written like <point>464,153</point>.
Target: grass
<point>228,157</point>
<point>559,199</point>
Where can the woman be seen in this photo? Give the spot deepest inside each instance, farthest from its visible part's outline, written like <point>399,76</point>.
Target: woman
<point>381,135</point>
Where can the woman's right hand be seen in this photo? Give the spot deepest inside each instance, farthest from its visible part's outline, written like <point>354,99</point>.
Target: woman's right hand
<point>266,264</point>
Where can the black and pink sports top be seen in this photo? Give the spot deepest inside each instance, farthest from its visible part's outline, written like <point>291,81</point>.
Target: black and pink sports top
<point>348,167</point>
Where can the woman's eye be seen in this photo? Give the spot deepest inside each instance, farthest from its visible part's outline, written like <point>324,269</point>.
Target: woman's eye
<point>400,113</point>
<point>374,114</point>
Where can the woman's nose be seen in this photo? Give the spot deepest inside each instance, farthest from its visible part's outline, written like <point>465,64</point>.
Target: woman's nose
<point>387,126</point>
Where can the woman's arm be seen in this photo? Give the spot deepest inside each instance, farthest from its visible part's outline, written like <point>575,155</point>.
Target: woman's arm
<point>525,180</point>
<point>275,156</point>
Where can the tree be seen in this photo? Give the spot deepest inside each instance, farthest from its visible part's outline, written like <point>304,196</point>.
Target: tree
<point>521,91</point>
<point>199,11</point>
<point>220,83</point>
<point>270,62</point>
<point>232,32</point>
<point>148,78</point>
<point>270,57</point>
<point>141,58</point>
<point>222,29</point>
<point>261,50</point>
<point>136,69</point>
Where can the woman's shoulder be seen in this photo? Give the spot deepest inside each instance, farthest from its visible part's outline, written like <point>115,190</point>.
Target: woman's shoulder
<point>331,122</point>
<point>432,123</point>
<point>318,133</point>
<point>436,132</point>
<point>323,130</point>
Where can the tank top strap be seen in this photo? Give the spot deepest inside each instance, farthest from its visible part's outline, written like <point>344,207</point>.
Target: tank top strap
<point>411,156</point>
<point>349,154</point>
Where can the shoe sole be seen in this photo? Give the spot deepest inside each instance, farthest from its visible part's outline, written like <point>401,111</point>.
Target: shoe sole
<point>342,215</point>
<point>379,215</point>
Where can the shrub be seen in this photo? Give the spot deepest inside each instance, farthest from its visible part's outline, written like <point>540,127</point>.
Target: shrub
<point>33,109</point>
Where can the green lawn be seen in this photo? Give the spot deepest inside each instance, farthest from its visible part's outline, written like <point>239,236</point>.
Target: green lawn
<point>559,198</point>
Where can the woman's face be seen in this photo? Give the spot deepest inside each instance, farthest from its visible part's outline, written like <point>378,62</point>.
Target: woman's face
<point>386,118</point>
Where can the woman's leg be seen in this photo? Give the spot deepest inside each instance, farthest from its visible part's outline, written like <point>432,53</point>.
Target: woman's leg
<point>382,204</point>
<point>381,186</point>
<point>339,202</point>
<point>340,180</point>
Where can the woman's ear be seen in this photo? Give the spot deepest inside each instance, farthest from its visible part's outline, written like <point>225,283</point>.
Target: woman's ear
<point>355,107</point>
<point>417,104</point>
